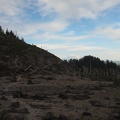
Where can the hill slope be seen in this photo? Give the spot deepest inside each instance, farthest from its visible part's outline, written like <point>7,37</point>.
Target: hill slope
<point>16,56</point>
<point>94,68</point>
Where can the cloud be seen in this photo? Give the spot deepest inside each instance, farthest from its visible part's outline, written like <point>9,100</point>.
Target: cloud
<point>13,13</point>
<point>67,51</point>
<point>38,29</point>
<point>77,9</point>
<point>17,15</point>
<point>109,32</point>
<point>12,7</point>
<point>66,37</point>
<point>52,26</point>
<point>54,22</point>
<point>69,47</point>
<point>87,48</point>
<point>108,54</point>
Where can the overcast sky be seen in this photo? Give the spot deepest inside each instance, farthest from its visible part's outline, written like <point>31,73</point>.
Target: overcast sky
<point>66,28</point>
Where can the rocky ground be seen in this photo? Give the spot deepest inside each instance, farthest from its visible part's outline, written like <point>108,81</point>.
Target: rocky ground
<point>58,97</point>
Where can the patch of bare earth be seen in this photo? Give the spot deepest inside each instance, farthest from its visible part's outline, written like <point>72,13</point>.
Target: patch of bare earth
<point>76,98</point>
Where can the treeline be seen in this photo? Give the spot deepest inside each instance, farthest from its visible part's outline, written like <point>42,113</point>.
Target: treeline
<point>95,68</point>
<point>10,47</point>
<point>9,34</point>
<point>14,44</point>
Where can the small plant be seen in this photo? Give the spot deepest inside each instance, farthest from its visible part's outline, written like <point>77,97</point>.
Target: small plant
<point>117,82</point>
<point>29,81</point>
<point>117,110</point>
<point>14,78</point>
<point>18,94</point>
<point>4,115</point>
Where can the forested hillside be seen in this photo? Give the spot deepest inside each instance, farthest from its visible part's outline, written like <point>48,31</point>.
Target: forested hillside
<point>18,57</point>
<point>95,68</point>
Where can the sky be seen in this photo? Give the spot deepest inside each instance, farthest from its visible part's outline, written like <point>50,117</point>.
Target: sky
<point>66,28</point>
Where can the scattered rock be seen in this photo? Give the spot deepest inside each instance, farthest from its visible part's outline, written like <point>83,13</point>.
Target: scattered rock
<point>63,96</point>
<point>62,117</point>
<point>114,116</point>
<point>24,111</point>
<point>80,97</point>
<point>29,80</point>
<point>4,115</point>
<point>38,106</point>
<point>96,103</point>
<point>21,111</point>
<point>38,97</point>
<point>49,116</point>
<point>49,78</point>
<point>118,103</point>
<point>19,118</point>
<point>18,94</point>
<point>3,98</point>
<point>114,107</point>
<point>15,104</point>
<point>3,91</point>
<point>86,114</point>
<point>107,98</point>
<point>116,99</point>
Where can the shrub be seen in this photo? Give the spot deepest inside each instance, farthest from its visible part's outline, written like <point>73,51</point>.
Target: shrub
<point>117,82</point>
<point>14,78</point>
<point>29,81</point>
<point>4,115</point>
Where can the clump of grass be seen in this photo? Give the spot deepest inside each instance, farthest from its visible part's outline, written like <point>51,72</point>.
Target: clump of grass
<point>29,81</point>
<point>4,115</point>
<point>14,78</point>
<point>117,82</point>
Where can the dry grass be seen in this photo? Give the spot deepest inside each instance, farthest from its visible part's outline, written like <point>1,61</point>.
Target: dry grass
<point>100,99</point>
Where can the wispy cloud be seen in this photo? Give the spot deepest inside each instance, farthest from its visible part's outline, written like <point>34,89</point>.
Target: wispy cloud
<point>62,37</point>
<point>52,26</point>
<point>11,7</point>
<point>53,20</point>
<point>70,47</point>
<point>67,51</point>
<point>76,9</point>
<point>61,10</point>
<point>109,32</point>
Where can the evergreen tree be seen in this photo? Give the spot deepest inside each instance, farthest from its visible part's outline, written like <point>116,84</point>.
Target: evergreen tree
<point>92,66</point>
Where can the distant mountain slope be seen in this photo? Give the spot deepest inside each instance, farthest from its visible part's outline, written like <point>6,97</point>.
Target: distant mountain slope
<point>16,56</point>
